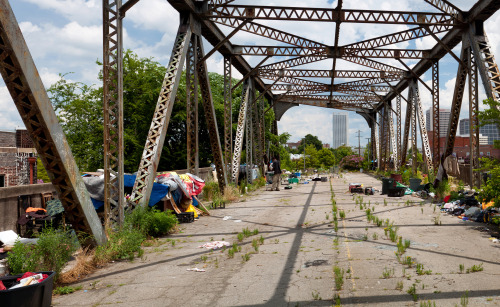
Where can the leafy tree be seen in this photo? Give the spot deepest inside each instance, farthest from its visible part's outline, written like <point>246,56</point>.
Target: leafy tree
<point>79,107</point>
<point>310,139</point>
<point>326,158</point>
<point>342,151</point>
<point>490,115</point>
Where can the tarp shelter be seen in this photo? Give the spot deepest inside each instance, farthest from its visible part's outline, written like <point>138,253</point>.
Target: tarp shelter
<point>159,191</point>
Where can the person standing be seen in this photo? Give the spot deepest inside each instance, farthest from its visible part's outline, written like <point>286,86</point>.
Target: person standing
<point>277,174</point>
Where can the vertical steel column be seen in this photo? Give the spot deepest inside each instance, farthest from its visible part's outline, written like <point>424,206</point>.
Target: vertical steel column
<point>385,137</point>
<point>475,180</point>
<point>393,141</point>
<point>240,133</point>
<point>413,131</point>
<point>262,133</point>
<point>228,117</point>
<point>249,131</point>
<point>426,154</point>
<point>255,132</point>
<point>373,135</point>
<point>114,192</point>
<point>406,135</point>
<point>30,97</point>
<point>398,131</point>
<point>158,130</point>
<point>456,104</point>
<point>436,148</point>
<point>193,163</point>
<point>210,118</point>
<point>377,139</point>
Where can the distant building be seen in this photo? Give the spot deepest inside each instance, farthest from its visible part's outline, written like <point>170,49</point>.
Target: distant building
<point>490,130</point>
<point>462,148</point>
<point>444,121</point>
<point>16,167</point>
<point>339,129</point>
<point>326,145</point>
<point>293,145</point>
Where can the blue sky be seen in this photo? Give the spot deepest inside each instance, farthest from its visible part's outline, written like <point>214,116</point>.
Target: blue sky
<point>66,36</point>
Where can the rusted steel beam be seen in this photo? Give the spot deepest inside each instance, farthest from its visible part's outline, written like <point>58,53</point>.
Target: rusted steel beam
<point>114,190</point>
<point>156,137</point>
<point>341,74</point>
<point>30,97</point>
<point>329,15</point>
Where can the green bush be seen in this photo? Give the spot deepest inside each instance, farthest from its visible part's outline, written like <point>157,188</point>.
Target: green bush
<point>151,222</point>
<point>51,253</point>
<point>55,247</point>
<point>121,245</point>
<point>23,258</point>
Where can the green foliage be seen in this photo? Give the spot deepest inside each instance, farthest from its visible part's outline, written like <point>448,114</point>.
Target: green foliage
<point>66,290</point>
<point>310,140</point>
<point>123,244</point>
<point>491,190</point>
<point>79,107</point>
<point>23,258</point>
<point>339,277</point>
<point>41,173</point>
<point>51,253</point>
<point>151,222</point>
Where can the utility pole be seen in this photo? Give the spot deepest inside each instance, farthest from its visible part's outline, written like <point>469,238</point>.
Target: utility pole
<point>369,148</point>
<point>359,142</point>
<point>304,155</point>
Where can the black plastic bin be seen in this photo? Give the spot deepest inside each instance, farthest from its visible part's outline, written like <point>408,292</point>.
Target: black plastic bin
<point>37,295</point>
<point>387,183</point>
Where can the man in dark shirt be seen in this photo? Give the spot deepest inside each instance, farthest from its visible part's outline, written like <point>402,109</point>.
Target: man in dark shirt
<point>277,174</point>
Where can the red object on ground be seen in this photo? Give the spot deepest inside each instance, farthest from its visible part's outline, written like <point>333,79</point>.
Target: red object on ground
<point>2,287</point>
<point>28,274</point>
<point>447,198</point>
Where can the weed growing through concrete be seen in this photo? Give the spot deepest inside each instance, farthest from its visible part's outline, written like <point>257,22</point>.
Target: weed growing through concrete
<point>245,257</point>
<point>413,292</point>
<point>241,236</point>
<point>385,202</point>
<point>342,214</point>
<point>464,300</point>
<point>255,244</point>
<point>66,290</point>
<point>387,273</point>
<point>393,234</point>
<point>434,209</point>
<point>475,268</point>
<point>375,236</point>
<point>261,240</point>
<point>339,277</point>
<point>204,258</point>
<point>365,237</point>
<point>399,286</point>
<point>461,267</point>
<point>428,304</point>
<point>336,300</point>
<point>422,209</point>
<point>336,241</point>
<point>276,241</point>
<point>421,271</point>
<point>315,295</point>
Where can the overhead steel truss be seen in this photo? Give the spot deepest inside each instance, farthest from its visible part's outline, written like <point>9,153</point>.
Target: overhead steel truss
<point>377,88</point>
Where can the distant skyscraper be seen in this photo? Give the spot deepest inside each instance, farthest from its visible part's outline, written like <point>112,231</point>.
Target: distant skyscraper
<point>444,121</point>
<point>339,129</point>
<point>490,130</point>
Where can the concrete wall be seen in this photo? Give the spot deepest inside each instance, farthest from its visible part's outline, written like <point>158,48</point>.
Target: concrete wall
<point>9,198</point>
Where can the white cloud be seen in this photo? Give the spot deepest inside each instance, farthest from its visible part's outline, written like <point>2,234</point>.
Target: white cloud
<point>82,11</point>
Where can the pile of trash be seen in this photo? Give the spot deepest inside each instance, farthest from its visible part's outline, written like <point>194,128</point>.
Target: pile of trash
<point>466,207</point>
<point>178,190</point>
<point>26,279</point>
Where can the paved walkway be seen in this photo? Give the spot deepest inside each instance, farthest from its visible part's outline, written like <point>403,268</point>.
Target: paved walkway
<point>294,266</point>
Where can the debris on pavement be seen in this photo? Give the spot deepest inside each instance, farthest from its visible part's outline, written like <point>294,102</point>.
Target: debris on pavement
<point>215,245</point>
<point>196,270</point>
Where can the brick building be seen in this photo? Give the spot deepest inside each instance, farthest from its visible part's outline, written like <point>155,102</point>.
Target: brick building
<point>462,148</point>
<point>16,167</point>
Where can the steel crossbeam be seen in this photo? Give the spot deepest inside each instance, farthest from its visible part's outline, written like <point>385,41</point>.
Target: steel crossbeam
<point>341,74</point>
<point>446,7</point>
<point>154,143</point>
<point>423,130</point>
<point>228,117</point>
<point>436,148</point>
<point>30,97</point>
<point>240,132</point>
<point>329,52</point>
<point>397,162</point>
<point>328,15</point>
<point>114,191</point>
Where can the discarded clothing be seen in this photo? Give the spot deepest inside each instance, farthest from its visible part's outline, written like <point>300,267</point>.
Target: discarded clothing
<point>451,166</point>
<point>215,245</point>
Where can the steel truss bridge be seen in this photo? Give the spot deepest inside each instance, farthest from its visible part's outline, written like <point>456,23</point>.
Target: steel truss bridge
<point>375,93</point>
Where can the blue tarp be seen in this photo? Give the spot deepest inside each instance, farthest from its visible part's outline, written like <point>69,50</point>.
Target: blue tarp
<point>159,191</point>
